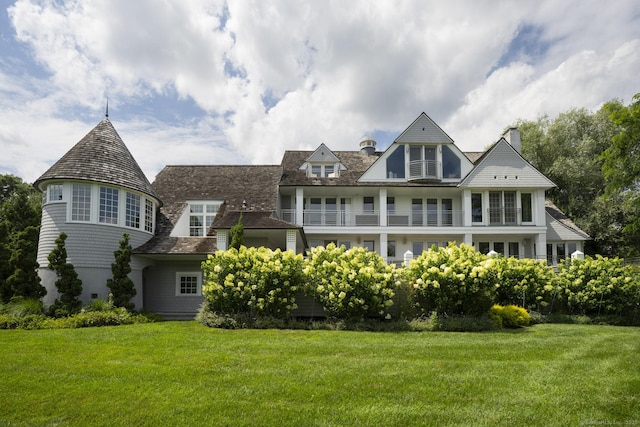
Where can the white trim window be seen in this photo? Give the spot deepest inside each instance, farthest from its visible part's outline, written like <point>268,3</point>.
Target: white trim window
<point>55,192</point>
<point>188,284</point>
<point>108,213</point>
<point>132,213</point>
<point>148,215</point>
<point>201,216</point>
<point>81,202</point>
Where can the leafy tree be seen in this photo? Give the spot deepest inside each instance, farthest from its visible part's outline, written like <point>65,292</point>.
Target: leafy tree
<point>237,234</point>
<point>68,284</point>
<point>20,208</point>
<point>569,150</point>
<point>622,157</point>
<point>122,287</point>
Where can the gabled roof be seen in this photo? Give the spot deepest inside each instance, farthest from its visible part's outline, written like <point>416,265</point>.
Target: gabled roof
<point>424,130</point>
<point>355,162</point>
<point>560,227</point>
<point>101,156</point>
<point>322,155</point>
<point>501,166</point>
<point>255,185</point>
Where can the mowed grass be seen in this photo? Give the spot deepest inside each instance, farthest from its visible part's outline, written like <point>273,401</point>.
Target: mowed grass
<point>181,373</point>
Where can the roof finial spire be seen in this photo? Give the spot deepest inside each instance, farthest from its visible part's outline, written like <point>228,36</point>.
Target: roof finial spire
<point>106,114</point>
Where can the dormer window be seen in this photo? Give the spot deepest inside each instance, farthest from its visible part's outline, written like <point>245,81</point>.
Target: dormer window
<point>201,216</point>
<point>322,171</point>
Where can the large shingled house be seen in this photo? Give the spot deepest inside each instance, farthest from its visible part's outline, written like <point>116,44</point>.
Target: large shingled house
<point>421,191</point>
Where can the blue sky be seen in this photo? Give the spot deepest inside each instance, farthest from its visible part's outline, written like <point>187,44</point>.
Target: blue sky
<point>223,82</point>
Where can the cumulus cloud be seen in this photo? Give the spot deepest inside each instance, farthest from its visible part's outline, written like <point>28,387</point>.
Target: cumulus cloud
<point>277,75</point>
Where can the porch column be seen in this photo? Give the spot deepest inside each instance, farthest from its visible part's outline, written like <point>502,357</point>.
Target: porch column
<point>221,237</point>
<point>291,240</point>
<point>384,243</point>
<point>541,246</point>
<point>468,239</point>
<point>466,210</point>
<point>299,206</point>
<point>383,210</point>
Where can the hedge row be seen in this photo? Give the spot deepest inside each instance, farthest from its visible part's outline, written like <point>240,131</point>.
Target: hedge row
<point>456,280</point>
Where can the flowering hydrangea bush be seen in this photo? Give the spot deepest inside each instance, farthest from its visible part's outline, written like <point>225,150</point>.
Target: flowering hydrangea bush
<point>256,281</point>
<point>452,280</point>
<point>599,285</point>
<point>526,282</point>
<point>350,284</point>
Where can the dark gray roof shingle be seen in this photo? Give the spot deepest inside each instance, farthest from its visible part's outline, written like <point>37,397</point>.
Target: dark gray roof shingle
<point>101,156</point>
<point>176,185</point>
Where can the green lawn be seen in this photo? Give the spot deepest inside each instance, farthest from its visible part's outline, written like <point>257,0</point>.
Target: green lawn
<point>181,373</point>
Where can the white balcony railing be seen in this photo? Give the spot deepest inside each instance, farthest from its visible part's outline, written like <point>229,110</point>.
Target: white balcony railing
<point>504,216</point>
<point>449,218</point>
<point>425,169</point>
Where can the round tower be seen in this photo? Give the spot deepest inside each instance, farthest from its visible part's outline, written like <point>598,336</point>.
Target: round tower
<point>95,193</point>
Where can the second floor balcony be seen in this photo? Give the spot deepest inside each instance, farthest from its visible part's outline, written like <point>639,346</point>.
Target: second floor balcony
<point>325,218</point>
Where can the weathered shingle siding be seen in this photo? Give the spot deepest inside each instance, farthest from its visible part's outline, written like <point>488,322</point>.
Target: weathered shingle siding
<point>88,245</point>
<point>53,217</point>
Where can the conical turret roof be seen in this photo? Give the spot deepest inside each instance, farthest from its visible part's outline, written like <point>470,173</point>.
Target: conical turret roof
<point>100,156</point>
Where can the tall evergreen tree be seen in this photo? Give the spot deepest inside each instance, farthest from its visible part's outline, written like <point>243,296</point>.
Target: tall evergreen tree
<point>68,284</point>
<point>24,281</point>
<point>122,287</point>
<point>237,234</point>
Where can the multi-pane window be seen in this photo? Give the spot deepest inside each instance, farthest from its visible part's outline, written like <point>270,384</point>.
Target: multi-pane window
<point>201,216</point>
<point>55,192</point>
<point>316,170</point>
<point>188,284</point>
<point>132,212</point>
<point>502,208</point>
<point>81,202</point>
<point>148,215</point>
<point>108,213</point>
<point>370,245</point>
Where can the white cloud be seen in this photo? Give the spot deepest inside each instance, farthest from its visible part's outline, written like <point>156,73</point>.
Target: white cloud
<point>270,76</point>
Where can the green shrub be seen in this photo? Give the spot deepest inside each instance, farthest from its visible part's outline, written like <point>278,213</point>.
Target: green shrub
<point>525,282</point>
<point>21,307</point>
<point>599,286</point>
<point>99,305</point>
<point>509,316</point>
<point>118,316</point>
<point>351,283</point>
<point>255,281</point>
<point>456,280</point>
